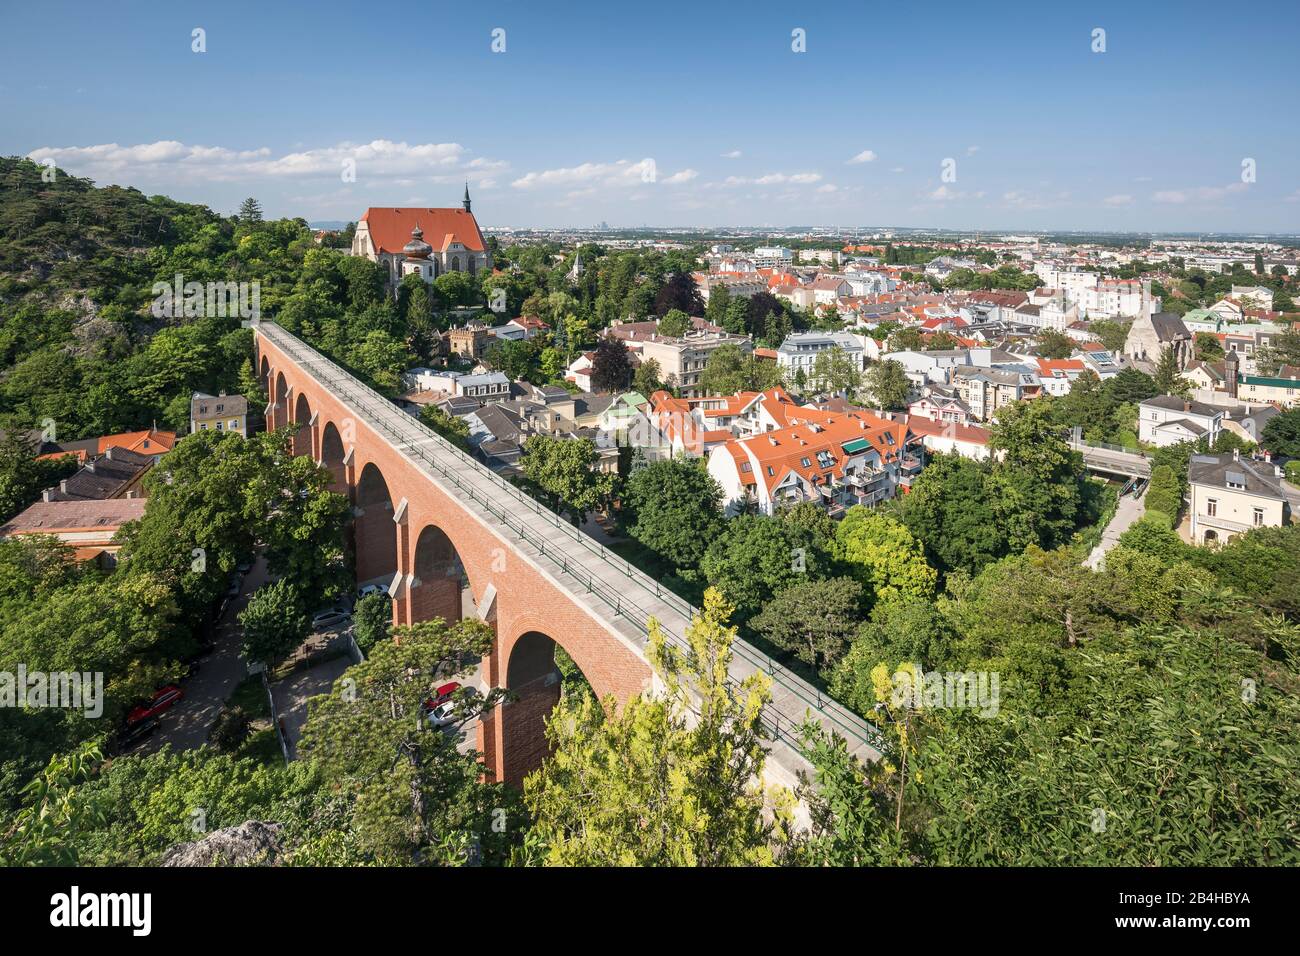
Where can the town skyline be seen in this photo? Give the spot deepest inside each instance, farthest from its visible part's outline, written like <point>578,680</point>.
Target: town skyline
<point>691,119</point>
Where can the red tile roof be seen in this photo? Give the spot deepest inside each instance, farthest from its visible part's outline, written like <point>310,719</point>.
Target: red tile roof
<point>390,229</point>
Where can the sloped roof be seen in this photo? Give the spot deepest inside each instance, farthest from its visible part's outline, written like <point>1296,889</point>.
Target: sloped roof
<point>390,228</point>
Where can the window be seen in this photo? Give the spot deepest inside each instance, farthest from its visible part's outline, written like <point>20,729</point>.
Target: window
<point>1259,517</point>
<point>745,467</point>
<point>1212,507</point>
<point>805,462</point>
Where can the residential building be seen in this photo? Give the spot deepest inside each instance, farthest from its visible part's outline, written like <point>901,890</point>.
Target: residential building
<point>1230,495</point>
<point>772,257</point>
<point>1168,420</point>
<point>88,526</point>
<point>985,391</point>
<point>838,461</point>
<point>800,351</point>
<point>117,473</point>
<point>1281,388</point>
<point>219,413</point>
<point>682,359</point>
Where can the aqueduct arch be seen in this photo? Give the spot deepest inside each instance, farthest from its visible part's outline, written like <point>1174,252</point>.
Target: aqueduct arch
<point>439,579</point>
<point>280,402</point>
<point>304,439</point>
<point>374,528</point>
<point>332,455</point>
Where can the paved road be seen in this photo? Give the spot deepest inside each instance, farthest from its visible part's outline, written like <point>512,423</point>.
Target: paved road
<point>292,693</point>
<point>186,725</point>
<point>1128,511</point>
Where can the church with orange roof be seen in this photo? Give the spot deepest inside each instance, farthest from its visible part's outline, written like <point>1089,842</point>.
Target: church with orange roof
<point>426,241</point>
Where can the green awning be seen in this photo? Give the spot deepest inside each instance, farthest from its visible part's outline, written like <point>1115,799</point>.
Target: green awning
<point>856,445</point>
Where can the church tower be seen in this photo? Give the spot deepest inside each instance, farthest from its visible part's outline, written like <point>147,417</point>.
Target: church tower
<point>465,202</point>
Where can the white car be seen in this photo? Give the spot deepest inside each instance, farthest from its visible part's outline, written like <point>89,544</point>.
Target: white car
<point>370,589</point>
<point>330,618</point>
<point>443,714</point>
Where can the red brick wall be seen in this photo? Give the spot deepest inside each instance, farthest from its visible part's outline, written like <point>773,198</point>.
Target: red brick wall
<point>526,600</point>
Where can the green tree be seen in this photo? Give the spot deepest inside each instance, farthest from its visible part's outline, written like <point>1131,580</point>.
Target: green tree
<point>274,622</point>
<point>411,796</point>
<point>1281,433</point>
<point>883,555</point>
<point>835,371</point>
<point>673,507</point>
<point>887,384</point>
<point>949,510</point>
<point>670,780</point>
<point>1168,379</point>
<point>754,558</point>
<point>451,427</point>
<point>730,370</point>
<point>646,378</point>
<point>815,620</point>
<point>562,469</point>
<point>250,211</point>
<point>1165,493</point>
<point>372,619</point>
<point>675,323</point>
<point>1036,486</point>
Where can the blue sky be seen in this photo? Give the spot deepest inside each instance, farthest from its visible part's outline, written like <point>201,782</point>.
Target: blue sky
<point>562,127</point>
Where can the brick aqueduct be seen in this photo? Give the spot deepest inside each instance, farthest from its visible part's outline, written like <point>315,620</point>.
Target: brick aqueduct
<point>430,521</point>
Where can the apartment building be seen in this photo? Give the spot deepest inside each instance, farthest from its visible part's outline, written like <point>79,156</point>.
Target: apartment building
<point>1230,495</point>
<point>682,359</point>
<point>986,390</point>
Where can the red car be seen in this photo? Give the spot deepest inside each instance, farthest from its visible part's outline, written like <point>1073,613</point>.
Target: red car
<point>163,698</point>
<point>441,694</point>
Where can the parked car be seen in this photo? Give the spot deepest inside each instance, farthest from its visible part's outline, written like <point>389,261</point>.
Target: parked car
<point>443,714</point>
<point>132,734</point>
<point>450,710</point>
<point>369,589</point>
<point>441,695</point>
<point>332,617</point>
<point>163,699</point>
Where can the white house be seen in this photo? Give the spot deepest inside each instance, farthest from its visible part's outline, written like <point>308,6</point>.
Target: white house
<point>1168,420</point>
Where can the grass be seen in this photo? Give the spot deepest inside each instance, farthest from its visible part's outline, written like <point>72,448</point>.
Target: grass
<point>250,696</point>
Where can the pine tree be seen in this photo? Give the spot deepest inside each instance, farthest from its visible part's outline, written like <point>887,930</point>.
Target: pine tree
<point>1167,379</point>
<point>250,211</point>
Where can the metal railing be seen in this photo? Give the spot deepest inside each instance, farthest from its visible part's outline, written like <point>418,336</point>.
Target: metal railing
<point>413,438</point>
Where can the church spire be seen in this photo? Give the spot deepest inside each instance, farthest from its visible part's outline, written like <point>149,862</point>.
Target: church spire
<point>465,201</point>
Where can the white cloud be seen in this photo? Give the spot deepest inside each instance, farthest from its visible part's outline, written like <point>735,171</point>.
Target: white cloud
<point>684,176</point>
<point>897,169</point>
<point>181,161</point>
<point>733,154</point>
<point>828,188</point>
<point>620,173</point>
<point>943,194</point>
<point>1120,199</point>
<point>972,150</point>
<point>866,156</point>
<point>1199,194</point>
<point>774,179</point>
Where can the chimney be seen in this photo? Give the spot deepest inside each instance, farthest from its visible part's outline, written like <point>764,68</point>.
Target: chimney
<point>1236,454</point>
